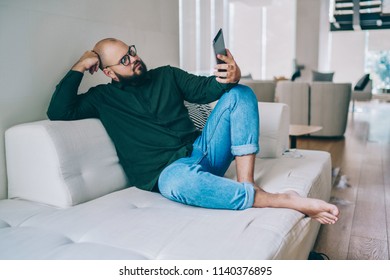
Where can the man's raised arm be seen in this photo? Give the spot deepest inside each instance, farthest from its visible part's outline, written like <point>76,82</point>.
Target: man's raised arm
<point>66,104</point>
<point>227,72</point>
<point>89,61</point>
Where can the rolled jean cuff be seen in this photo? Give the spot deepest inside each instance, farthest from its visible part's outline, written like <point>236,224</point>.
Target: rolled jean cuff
<point>243,150</point>
<point>250,196</point>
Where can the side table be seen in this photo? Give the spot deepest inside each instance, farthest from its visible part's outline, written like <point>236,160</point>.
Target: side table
<point>300,130</point>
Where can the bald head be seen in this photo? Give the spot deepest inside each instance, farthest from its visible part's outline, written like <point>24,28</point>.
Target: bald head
<point>110,51</point>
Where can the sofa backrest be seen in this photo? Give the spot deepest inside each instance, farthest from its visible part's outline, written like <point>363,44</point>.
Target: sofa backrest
<point>64,163</point>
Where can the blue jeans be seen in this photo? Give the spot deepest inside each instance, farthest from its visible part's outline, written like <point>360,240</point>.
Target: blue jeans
<point>231,130</point>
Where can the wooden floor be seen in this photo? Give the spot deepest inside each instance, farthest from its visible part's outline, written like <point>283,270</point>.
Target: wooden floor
<point>363,155</point>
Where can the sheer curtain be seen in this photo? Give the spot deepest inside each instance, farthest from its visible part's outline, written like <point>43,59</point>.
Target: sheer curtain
<point>259,33</point>
<point>199,22</point>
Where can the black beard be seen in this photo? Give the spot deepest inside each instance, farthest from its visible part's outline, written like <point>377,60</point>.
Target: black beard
<point>135,79</point>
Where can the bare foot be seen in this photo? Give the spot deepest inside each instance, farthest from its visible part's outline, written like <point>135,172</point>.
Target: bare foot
<point>317,209</point>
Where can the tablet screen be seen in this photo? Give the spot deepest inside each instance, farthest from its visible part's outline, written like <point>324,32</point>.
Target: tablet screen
<point>219,45</point>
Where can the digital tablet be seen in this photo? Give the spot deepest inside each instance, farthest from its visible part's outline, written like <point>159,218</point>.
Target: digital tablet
<point>219,45</point>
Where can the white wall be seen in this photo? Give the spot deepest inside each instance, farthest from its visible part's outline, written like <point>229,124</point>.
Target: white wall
<point>41,39</point>
<point>348,55</point>
<point>349,50</point>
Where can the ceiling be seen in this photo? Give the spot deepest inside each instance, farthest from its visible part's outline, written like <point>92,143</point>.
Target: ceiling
<point>359,15</point>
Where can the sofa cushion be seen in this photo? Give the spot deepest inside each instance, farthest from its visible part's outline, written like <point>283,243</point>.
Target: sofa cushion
<point>199,113</point>
<point>322,77</point>
<point>61,163</point>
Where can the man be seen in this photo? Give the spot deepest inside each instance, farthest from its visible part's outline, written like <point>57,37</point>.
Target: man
<point>158,145</point>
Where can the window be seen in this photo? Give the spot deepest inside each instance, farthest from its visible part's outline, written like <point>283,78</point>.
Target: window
<point>378,65</point>
<point>259,33</point>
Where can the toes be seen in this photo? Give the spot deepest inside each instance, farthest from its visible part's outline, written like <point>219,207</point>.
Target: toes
<point>335,211</point>
<point>326,218</point>
<point>324,221</point>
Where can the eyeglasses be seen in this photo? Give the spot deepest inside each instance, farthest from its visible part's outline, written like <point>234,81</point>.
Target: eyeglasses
<point>125,60</point>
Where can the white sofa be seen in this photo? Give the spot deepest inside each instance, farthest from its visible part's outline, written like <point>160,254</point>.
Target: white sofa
<point>68,199</point>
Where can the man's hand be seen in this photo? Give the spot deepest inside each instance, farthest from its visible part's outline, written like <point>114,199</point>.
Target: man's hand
<point>89,61</point>
<point>232,73</point>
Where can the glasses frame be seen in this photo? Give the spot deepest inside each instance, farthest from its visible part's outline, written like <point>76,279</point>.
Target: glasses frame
<point>132,52</point>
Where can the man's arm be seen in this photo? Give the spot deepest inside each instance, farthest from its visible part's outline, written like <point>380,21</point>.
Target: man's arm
<point>198,89</point>
<point>89,61</point>
<point>66,104</point>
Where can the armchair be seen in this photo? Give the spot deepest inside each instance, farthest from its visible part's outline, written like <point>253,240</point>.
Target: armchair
<point>322,104</point>
<point>296,96</point>
<point>329,103</point>
<point>264,89</point>
<point>362,90</point>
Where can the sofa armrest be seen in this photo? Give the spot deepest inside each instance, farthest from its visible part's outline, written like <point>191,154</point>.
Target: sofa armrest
<point>274,129</point>
<point>56,163</point>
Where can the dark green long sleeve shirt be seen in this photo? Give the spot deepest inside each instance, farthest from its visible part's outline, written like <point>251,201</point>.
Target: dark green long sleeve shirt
<point>148,124</point>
